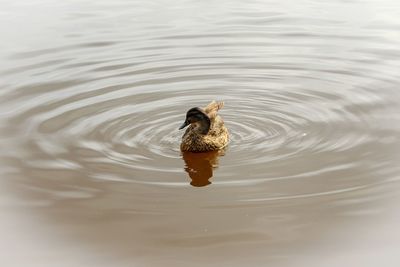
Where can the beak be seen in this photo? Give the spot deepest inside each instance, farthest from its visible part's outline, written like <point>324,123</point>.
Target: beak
<point>183,125</point>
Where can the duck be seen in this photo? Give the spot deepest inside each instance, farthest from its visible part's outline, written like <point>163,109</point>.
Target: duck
<point>206,131</point>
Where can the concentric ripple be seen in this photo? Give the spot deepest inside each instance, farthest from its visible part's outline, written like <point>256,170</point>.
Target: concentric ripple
<point>300,102</point>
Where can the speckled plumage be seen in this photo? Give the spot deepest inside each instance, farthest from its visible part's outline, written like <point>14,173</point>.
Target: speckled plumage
<point>217,136</point>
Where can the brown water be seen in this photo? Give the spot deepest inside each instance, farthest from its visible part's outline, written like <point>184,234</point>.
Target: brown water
<point>92,94</point>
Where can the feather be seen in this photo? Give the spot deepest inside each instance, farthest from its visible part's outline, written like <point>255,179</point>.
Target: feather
<point>212,109</point>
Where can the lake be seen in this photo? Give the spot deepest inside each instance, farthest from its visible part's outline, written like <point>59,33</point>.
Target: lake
<point>92,96</point>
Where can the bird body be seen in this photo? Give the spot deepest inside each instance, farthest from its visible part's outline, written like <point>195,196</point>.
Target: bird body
<point>206,131</point>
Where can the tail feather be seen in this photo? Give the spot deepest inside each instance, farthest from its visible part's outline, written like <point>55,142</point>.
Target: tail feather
<point>212,108</point>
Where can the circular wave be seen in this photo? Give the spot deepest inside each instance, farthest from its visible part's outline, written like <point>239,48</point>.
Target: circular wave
<point>294,108</point>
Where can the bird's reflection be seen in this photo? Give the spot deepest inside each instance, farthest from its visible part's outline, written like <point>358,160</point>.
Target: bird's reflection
<point>200,166</point>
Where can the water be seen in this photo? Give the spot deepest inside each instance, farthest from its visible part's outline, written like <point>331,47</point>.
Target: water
<point>92,95</point>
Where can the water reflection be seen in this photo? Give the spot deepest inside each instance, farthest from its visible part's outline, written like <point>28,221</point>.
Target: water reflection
<point>200,166</point>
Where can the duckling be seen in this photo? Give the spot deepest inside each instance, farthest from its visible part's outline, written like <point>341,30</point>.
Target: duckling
<point>207,131</point>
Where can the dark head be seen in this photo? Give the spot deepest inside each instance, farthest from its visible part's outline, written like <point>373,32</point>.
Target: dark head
<point>197,117</point>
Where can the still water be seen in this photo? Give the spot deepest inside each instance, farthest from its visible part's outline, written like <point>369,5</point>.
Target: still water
<point>91,97</point>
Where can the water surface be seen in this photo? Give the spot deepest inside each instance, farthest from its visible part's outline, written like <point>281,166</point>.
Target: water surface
<point>92,95</point>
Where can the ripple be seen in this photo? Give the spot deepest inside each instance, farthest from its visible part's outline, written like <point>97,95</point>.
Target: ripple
<point>303,101</point>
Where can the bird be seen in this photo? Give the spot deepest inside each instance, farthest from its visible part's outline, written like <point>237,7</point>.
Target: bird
<point>206,131</point>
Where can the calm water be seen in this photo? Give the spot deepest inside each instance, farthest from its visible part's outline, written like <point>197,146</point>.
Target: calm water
<point>91,98</point>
